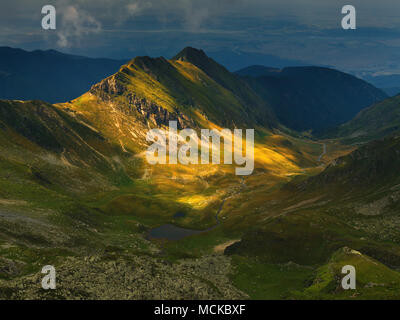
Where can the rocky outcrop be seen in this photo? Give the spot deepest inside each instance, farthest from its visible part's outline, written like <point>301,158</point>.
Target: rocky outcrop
<point>156,114</point>
<point>130,277</point>
<point>147,111</point>
<point>108,87</point>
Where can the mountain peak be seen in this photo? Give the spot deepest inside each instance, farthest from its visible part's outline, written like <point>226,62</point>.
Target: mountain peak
<point>191,55</point>
<point>198,58</point>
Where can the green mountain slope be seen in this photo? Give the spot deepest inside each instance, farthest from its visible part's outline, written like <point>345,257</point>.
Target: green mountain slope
<point>355,192</point>
<point>354,202</point>
<point>373,279</point>
<point>375,122</point>
<point>230,81</point>
<point>55,151</point>
<point>370,167</point>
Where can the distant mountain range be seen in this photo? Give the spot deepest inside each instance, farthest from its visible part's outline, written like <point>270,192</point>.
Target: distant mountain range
<point>237,59</point>
<point>388,83</point>
<point>302,98</point>
<point>49,75</point>
<point>311,98</point>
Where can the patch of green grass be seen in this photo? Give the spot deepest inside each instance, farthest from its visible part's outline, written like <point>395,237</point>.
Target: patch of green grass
<point>268,281</point>
<point>33,259</point>
<point>373,279</point>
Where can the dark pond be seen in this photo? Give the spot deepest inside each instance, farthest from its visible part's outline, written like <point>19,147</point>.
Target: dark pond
<point>179,215</point>
<point>171,232</point>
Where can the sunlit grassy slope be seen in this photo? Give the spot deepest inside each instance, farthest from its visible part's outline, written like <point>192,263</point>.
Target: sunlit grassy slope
<point>124,107</point>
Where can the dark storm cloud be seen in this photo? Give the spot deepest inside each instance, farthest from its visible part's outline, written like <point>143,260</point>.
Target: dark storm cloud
<point>307,30</point>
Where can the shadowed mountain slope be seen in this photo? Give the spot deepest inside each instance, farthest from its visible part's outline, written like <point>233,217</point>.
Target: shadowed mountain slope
<point>311,98</point>
<point>49,75</point>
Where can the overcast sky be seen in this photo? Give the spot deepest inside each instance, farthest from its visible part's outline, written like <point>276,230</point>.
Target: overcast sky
<point>306,31</point>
